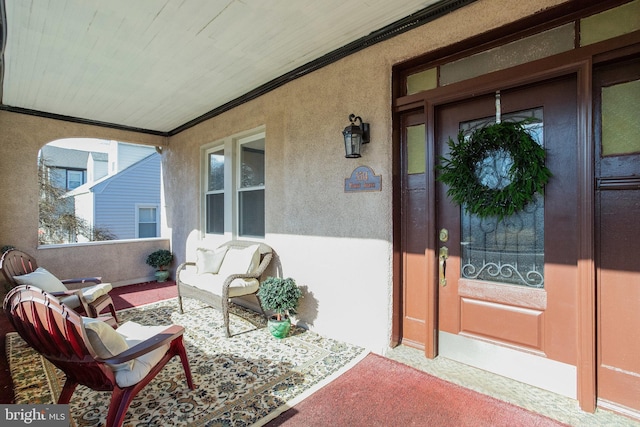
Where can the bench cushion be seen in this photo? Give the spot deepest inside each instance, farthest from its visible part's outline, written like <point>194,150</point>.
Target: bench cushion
<point>213,282</point>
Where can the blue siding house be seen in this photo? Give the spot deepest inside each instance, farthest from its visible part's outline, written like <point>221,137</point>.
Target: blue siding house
<point>126,203</point>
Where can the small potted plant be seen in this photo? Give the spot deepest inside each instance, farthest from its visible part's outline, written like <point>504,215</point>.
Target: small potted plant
<point>280,296</point>
<point>160,260</point>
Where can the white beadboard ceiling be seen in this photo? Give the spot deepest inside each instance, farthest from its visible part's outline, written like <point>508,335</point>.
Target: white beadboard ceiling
<point>158,64</point>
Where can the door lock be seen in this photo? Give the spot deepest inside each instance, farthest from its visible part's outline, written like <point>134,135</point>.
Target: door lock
<point>444,235</point>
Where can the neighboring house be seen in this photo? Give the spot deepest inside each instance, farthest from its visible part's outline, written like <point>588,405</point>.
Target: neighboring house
<point>127,203</point>
<point>97,166</point>
<point>117,191</point>
<point>67,168</point>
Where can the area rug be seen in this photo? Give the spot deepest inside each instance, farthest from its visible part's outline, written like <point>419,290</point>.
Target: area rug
<point>382,392</point>
<point>241,381</point>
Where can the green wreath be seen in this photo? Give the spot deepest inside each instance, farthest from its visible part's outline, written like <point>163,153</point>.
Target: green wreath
<point>506,192</point>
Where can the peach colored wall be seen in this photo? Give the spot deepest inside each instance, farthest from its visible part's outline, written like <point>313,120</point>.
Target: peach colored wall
<point>21,136</point>
<point>338,246</point>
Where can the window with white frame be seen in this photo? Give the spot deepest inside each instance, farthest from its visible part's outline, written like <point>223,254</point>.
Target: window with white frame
<point>74,179</point>
<point>147,221</point>
<point>234,186</point>
<point>214,205</point>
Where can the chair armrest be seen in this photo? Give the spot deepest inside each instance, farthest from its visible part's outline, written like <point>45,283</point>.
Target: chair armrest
<point>180,268</point>
<point>184,265</point>
<point>263,265</point>
<point>156,341</point>
<point>96,280</point>
<point>68,293</point>
<point>72,292</point>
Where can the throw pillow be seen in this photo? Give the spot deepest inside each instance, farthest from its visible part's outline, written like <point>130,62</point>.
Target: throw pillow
<point>209,260</point>
<point>106,341</point>
<point>240,261</point>
<point>41,278</point>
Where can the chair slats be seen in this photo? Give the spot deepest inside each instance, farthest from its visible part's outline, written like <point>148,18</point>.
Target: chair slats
<point>17,263</point>
<point>57,332</point>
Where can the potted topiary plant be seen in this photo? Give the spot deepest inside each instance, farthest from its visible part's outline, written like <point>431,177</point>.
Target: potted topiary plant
<point>280,296</point>
<point>160,260</point>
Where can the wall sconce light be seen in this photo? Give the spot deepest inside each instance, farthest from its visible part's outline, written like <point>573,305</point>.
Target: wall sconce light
<point>355,136</point>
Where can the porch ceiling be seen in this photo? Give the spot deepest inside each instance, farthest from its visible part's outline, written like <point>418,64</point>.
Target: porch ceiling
<point>161,65</point>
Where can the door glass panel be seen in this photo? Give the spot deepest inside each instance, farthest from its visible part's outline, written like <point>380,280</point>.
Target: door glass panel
<point>510,250</point>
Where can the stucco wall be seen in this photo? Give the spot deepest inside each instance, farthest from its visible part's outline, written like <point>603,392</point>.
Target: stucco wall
<point>337,245</point>
<point>21,136</point>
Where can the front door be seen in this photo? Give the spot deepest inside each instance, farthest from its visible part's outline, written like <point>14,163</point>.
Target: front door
<point>507,287</point>
<point>617,102</point>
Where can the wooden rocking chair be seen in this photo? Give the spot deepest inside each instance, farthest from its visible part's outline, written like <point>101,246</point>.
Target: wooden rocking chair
<point>20,268</point>
<point>90,351</point>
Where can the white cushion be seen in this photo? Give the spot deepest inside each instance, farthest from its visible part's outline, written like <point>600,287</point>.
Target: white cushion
<point>240,261</point>
<point>92,293</point>
<point>209,260</point>
<point>41,278</point>
<point>71,301</point>
<point>108,342</point>
<point>134,333</point>
<point>105,341</point>
<point>213,283</point>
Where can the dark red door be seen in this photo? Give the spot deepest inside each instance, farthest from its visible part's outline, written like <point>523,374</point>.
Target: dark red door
<point>617,131</point>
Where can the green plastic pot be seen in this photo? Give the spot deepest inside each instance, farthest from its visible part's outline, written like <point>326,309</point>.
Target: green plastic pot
<point>162,275</point>
<point>279,328</point>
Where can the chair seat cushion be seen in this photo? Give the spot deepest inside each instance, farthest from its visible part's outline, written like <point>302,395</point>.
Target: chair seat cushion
<point>108,342</point>
<point>134,333</point>
<point>92,293</point>
<point>213,282</point>
<point>41,278</point>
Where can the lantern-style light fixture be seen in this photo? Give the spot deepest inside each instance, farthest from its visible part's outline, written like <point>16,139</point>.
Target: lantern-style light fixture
<point>355,136</point>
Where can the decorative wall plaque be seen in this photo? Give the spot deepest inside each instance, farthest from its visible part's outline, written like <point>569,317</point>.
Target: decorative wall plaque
<point>363,179</point>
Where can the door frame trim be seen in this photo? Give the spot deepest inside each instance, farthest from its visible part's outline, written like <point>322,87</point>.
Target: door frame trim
<point>534,72</point>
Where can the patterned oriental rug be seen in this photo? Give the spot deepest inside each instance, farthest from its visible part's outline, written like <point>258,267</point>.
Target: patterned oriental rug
<point>244,380</point>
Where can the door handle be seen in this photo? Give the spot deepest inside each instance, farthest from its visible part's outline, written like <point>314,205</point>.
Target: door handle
<point>442,265</point>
